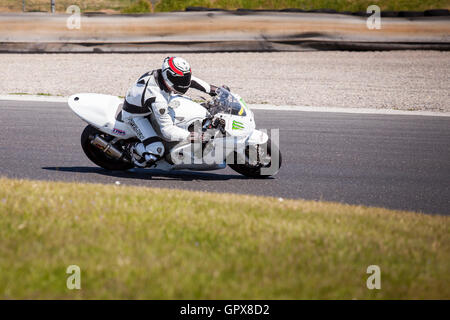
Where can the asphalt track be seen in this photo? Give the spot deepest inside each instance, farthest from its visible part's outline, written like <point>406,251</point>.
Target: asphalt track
<point>393,161</point>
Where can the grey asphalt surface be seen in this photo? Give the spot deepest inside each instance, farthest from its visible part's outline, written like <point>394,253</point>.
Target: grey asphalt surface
<point>398,162</point>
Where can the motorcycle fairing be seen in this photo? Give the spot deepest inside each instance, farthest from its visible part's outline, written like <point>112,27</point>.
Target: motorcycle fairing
<point>100,111</point>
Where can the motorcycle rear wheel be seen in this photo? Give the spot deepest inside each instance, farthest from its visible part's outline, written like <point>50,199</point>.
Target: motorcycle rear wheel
<point>251,171</point>
<point>96,155</point>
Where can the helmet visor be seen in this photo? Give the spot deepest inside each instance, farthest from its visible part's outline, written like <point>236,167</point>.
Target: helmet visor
<point>182,83</point>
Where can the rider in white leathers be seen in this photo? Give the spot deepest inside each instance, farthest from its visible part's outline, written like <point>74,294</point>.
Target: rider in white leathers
<point>148,99</point>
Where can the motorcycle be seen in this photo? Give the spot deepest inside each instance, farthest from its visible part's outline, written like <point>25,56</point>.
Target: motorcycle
<point>225,119</point>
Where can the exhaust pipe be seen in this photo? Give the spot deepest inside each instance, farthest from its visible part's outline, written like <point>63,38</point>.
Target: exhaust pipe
<point>107,148</point>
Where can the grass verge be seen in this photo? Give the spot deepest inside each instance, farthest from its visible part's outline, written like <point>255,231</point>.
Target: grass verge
<point>142,6</point>
<point>135,242</point>
<point>339,5</point>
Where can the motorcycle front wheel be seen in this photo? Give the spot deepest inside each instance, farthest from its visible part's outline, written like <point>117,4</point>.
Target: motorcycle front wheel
<point>254,171</point>
<point>96,155</point>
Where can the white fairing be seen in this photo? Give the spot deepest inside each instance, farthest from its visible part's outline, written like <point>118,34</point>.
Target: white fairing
<point>100,110</point>
<point>185,111</point>
<point>257,137</point>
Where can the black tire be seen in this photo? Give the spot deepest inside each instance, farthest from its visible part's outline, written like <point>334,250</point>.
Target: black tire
<point>252,171</point>
<point>97,156</point>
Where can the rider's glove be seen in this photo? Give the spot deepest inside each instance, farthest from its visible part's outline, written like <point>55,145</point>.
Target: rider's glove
<point>213,91</point>
<point>198,137</point>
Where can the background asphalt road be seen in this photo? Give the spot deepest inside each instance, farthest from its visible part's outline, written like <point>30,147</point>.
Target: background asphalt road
<point>399,162</point>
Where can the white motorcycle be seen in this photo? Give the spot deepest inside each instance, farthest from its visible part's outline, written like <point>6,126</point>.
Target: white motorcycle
<point>225,119</point>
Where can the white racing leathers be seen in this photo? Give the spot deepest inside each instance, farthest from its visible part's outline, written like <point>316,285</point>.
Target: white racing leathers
<point>148,99</point>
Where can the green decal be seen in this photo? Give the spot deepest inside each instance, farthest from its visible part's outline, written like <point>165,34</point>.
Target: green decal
<point>237,125</point>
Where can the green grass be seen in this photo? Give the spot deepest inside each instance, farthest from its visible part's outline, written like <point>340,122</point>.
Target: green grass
<point>339,5</point>
<point>142,6</point>
<point>62,5</point>
<point>37,94</point>
<point>135,242</point>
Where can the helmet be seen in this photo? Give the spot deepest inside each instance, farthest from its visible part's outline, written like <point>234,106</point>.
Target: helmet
<point>177,74</point>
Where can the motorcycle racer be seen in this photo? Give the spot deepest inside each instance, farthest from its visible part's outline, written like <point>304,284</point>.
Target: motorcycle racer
<point>146,111</point>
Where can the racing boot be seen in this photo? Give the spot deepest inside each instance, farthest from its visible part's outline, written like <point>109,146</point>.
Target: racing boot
<point>146,155</point>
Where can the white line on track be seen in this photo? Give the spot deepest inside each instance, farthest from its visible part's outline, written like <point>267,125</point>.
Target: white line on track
<point>14,97</point>
<point>264,107</point>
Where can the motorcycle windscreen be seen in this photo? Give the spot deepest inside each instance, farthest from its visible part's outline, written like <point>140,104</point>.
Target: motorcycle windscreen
<point>227,103</point>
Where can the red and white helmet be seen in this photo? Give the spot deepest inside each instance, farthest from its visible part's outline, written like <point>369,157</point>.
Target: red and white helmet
<point>177,74</point>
